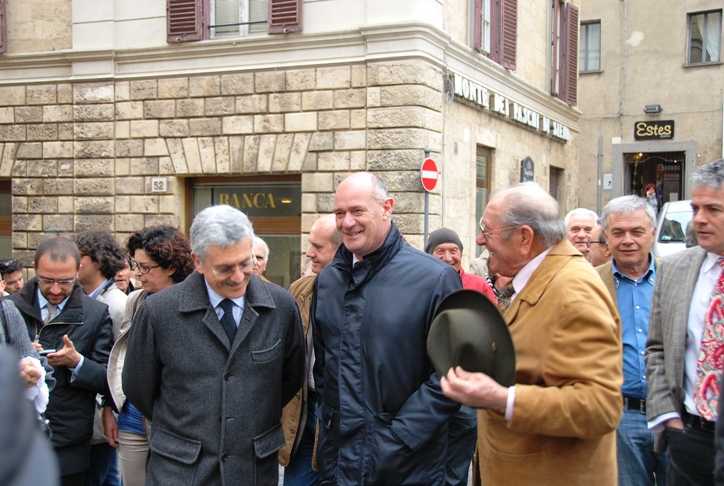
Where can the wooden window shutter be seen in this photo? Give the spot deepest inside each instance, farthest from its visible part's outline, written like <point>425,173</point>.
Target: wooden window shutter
<point>568,55</point>
<point>285,16</point>
<point>571,66</point>
<point>509,33</point>
<point>496,30</point>
<point>478,25</point>
<point>186,20</point>
<point>3,28</point>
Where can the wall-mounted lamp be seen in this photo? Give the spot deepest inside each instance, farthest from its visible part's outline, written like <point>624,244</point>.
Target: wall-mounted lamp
<point>652,109</point>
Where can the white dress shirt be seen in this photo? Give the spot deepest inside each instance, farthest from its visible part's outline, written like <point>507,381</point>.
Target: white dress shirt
<point>215,301</point>
<point>519,282</point>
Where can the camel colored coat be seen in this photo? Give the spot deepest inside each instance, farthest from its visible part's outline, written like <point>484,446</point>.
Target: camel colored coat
<point>567,394</point>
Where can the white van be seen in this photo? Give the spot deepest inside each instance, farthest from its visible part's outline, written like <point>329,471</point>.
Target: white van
<point>671,230</point>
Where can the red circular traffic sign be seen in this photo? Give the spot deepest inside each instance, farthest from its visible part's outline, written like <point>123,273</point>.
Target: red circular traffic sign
<point>429,175</point>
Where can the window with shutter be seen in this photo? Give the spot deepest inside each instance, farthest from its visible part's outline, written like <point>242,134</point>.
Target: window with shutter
<point>186,20</point>
<point>3,28</point>
<point>509,34</point>
<point>285,16</point>
<point>482,25</point>
<point>569,67</point>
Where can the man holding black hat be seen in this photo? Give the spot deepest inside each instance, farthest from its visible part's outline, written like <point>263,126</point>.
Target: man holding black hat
<point>445,244</point>
<point>384,417</point>
<point>556,424</point>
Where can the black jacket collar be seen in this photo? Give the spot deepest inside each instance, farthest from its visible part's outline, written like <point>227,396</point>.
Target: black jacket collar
<point>26,301</point>
<point>365,269</point>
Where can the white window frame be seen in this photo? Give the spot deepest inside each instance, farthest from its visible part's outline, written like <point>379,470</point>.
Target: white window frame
<point>244,17</point>
<point>486,33</point>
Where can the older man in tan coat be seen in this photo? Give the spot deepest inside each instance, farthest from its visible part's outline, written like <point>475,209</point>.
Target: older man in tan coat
<point>556,425</point>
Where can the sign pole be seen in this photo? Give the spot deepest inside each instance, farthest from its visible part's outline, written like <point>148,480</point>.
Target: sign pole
<point>426,227</point>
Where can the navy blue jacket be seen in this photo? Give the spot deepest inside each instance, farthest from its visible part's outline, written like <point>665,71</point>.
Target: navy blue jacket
<point>383,415</point>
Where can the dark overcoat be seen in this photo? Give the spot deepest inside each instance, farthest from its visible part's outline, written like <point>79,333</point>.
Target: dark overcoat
<point>72,402</point>
<point>215,407</point>
<point>384,416</point>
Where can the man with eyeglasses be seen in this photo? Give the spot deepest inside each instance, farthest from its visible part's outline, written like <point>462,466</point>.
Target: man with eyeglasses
<point>556,424</point>
<point>212,360</point>
<point>599,252</point>
<point>78,330</point>
<point>580,223</point>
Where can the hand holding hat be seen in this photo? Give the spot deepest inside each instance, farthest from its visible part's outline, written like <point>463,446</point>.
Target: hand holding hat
<point>471,349</point>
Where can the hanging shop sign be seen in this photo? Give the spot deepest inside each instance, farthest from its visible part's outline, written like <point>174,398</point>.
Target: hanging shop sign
<point>654,130</point>
<point>527,170</point>
<point>484,98</point>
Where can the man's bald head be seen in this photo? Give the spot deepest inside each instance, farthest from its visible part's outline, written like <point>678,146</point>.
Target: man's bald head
<point>363,213</point>
<point>324,238</point>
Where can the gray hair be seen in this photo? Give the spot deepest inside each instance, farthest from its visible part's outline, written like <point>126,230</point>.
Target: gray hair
<point>711,174</point>
<point>258,242</point>
<point>581,213</point>
<point>529,204</point>
<point>219,226</point>
<point>626,205</point>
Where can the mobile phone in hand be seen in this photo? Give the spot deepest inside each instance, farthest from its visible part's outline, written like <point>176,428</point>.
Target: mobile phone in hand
<point>46,352</point>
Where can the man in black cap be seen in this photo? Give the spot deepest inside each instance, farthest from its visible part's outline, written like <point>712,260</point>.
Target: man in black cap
<point>445,244</point>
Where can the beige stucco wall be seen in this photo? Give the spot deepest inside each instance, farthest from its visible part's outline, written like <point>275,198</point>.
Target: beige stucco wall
<point>466,127</point>
<point>643,62</point>
<point>38,25</point>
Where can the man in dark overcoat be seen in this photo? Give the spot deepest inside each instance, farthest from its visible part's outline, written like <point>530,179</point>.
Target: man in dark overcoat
<point>211,362</point>
<point>384,417</point>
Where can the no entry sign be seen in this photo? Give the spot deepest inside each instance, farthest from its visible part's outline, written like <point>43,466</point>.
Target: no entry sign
<point>429,175</point>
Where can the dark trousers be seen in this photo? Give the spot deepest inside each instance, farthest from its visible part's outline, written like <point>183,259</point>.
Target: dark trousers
<point>299,472</point>
<point>79,479</point>
<point>691,457</point>
<point>462,437</point>
<point>103,466</point>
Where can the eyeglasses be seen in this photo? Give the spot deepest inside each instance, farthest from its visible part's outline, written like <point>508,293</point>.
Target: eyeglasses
<point>62,282</point>
<point>598,242</point>
<point>141,268</point>
<point>226,271</point>
<point>488,232</point>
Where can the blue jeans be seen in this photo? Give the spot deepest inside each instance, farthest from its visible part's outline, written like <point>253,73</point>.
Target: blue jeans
<point>462,436</point>
<point>638,464</point>
<point>299,472</point>
<point>103,466</point>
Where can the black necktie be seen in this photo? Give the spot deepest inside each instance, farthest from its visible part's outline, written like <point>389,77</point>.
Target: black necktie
<point>227,320</point>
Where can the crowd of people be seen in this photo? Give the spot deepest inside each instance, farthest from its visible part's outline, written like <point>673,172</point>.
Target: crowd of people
<point>174,361</point>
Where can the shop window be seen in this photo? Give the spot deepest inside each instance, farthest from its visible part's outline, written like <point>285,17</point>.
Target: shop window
<point>590,46</point>
<point>274,207</point>
<point>193,20</point>
<point>495,30</point>
<point>6,213</point>
<point>564,51</point>
<point>483,171</point>
<point>556,183</point>
<point>704,37</point>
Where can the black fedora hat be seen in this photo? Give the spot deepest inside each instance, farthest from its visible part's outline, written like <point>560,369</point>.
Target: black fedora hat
<point>468,331</point>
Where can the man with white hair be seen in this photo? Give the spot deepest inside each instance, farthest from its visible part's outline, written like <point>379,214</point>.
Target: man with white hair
<point>629,224</point>
<point>212,360</point>
<point>261,255</point>
<point>580,223</point>
<point>556,424</point>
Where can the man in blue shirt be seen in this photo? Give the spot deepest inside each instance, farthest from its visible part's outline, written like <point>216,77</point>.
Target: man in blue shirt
<point>629,225</point>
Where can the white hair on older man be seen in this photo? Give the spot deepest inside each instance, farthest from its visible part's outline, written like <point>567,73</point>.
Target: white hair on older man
<point>531,205</point>
<point>627,205</point>
<point>220,225</point>
<point>582,213</point>
<point>260,246</point>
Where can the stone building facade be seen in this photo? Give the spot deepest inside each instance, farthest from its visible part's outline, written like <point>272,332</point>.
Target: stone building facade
<point>123,137</point>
